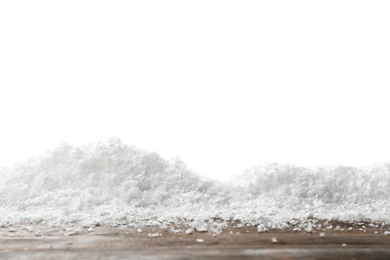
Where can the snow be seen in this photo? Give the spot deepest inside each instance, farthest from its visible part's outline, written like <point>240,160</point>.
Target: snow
<point>189,231</point>
<point>309,228</point>
<point>261,228</point>
<point>154,235</point>
<point>113,183</point>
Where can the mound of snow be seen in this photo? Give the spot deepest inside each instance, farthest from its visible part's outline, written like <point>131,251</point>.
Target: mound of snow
<point>344,193</point>
<point>100,181</point>
<point>110,182</point>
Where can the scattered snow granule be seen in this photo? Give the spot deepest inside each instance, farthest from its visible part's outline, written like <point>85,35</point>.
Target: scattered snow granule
<point>309,228</point>
<point>322,234</point>
<point>240,225</point>
<point>29,229</point>
<point>73,233</point>
<point>349,229</point>
<point>90,229</point>
<point>139,230</point>
<point>296,229</point>
<point>274,240</point>
<point>344,244</point>
<point>261,228</point>
<point>387,233</point>
<point>189,231</point>
<point>199,240</point>
<point>330,227</point>
<point>200,225</point>
<point>38,234</point>
<point>154,235</point>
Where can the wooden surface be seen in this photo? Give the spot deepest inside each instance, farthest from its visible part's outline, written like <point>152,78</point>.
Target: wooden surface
<point>45,242</point>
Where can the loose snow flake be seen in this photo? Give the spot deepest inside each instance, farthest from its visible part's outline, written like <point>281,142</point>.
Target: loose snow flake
<point>189,231</point>
<point>261,228</point>
<point>154,235</point>
<point>73,233</point>
<point>309,227</point>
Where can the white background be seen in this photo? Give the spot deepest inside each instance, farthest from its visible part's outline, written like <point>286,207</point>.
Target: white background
<point>222,84</point>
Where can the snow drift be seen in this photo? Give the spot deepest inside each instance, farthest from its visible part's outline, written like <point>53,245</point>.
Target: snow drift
<point>111,182</point>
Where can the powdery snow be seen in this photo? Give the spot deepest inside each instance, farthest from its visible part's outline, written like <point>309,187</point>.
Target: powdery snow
<point>111,182</point>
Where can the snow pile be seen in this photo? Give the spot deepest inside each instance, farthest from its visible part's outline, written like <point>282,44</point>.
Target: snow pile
<point>111,182</point>
<point>343,193</point>
<point>99,182</point>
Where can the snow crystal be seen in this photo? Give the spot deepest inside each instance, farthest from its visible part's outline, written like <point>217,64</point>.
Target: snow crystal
<point>189,231</point>
<point>154,235</point>
<point>200,225</point>
<point>73,233</point>
<point>261,228</point>
<point>115,184</point>
<point>338,228</point>
<point>309,228</point>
